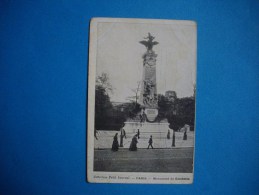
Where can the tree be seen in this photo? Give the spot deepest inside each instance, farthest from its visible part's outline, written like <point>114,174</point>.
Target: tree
<point>136,92</point>
<point>103,82</point>
<point>184,113</point>
<point>132,109</point>
<point>178,112</point>
<point>103,105</point>
<point>164,106</point>
<point>108,116</point>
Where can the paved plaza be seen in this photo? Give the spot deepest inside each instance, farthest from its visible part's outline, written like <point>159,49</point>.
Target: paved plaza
<point>174,160</point>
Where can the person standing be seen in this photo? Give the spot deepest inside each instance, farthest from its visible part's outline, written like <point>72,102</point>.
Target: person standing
<point>168,134</point>
<point>121,139</point>
<point>185,135</point>
<point>173,143</point>
<point>150,142</point>
<point>138,133</point>
<point>115,144</point>
<point>121,131</point>
<point>124,133</point>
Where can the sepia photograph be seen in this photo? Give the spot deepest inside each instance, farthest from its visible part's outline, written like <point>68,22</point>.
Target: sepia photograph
<point>141,101</point>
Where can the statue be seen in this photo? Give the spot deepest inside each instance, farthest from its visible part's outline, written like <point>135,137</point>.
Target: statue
<point>149,44</point>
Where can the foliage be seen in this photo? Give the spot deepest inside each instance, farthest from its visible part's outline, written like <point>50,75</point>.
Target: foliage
<point>103,82</point>
<point>103,107</point>
<point>164,106</point>
<point>131,110</point>
<point>108,116</point>
<point>178,112</point>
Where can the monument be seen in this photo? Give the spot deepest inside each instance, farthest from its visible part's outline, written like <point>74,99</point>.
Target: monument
<point>147,121</point>
<point>148,96</point>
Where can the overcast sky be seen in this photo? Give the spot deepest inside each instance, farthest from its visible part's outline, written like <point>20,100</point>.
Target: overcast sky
<point>119,54</point>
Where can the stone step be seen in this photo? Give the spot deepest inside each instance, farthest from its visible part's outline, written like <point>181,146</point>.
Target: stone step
<point>105,139</point>
<point>132,127</point>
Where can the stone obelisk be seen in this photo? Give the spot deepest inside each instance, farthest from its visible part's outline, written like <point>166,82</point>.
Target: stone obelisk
<point>148,94</point>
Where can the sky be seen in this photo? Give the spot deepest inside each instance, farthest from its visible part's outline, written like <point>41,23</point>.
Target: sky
<point>119,54</point>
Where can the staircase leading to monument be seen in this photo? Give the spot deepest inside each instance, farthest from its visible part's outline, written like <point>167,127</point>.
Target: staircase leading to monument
<point>146,127</point>
<point>105,139</point>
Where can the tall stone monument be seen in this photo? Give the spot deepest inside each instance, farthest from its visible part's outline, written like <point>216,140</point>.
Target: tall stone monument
<point>147,122</point>
<point>148,95</point>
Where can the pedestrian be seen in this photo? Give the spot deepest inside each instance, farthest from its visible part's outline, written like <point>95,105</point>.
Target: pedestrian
<point>138,133</point>
<point>133,144</point>
<point>121,130</point>
<point>173,143</point>
<point>141,118</point>
<point>115,144</point>
<point>150,142</point>
<point>121,140</point>
<point>124,133</point>
<point>168,134</point>
<point>185,135</point>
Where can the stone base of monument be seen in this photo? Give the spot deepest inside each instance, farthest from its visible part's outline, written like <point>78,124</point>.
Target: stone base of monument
<point>105,139</point>
<point>154,129</point>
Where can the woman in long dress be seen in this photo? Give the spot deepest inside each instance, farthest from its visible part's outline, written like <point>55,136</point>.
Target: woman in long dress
<point>185,135</point>
<point>115,144</point>
<point>133,144</point>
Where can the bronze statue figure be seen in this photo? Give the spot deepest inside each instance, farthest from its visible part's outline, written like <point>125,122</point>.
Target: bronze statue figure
<point>149,44</point>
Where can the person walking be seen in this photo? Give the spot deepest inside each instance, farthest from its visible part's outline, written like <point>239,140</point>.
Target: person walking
<point>150,142</point>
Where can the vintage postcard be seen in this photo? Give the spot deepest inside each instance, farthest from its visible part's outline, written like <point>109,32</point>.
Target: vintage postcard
<point>141,101</point>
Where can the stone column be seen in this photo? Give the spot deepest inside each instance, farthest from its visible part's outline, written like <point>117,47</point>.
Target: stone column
<point>148,95</point>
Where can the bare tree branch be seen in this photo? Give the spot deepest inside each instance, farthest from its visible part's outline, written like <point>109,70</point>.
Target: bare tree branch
<point>136,93</point>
